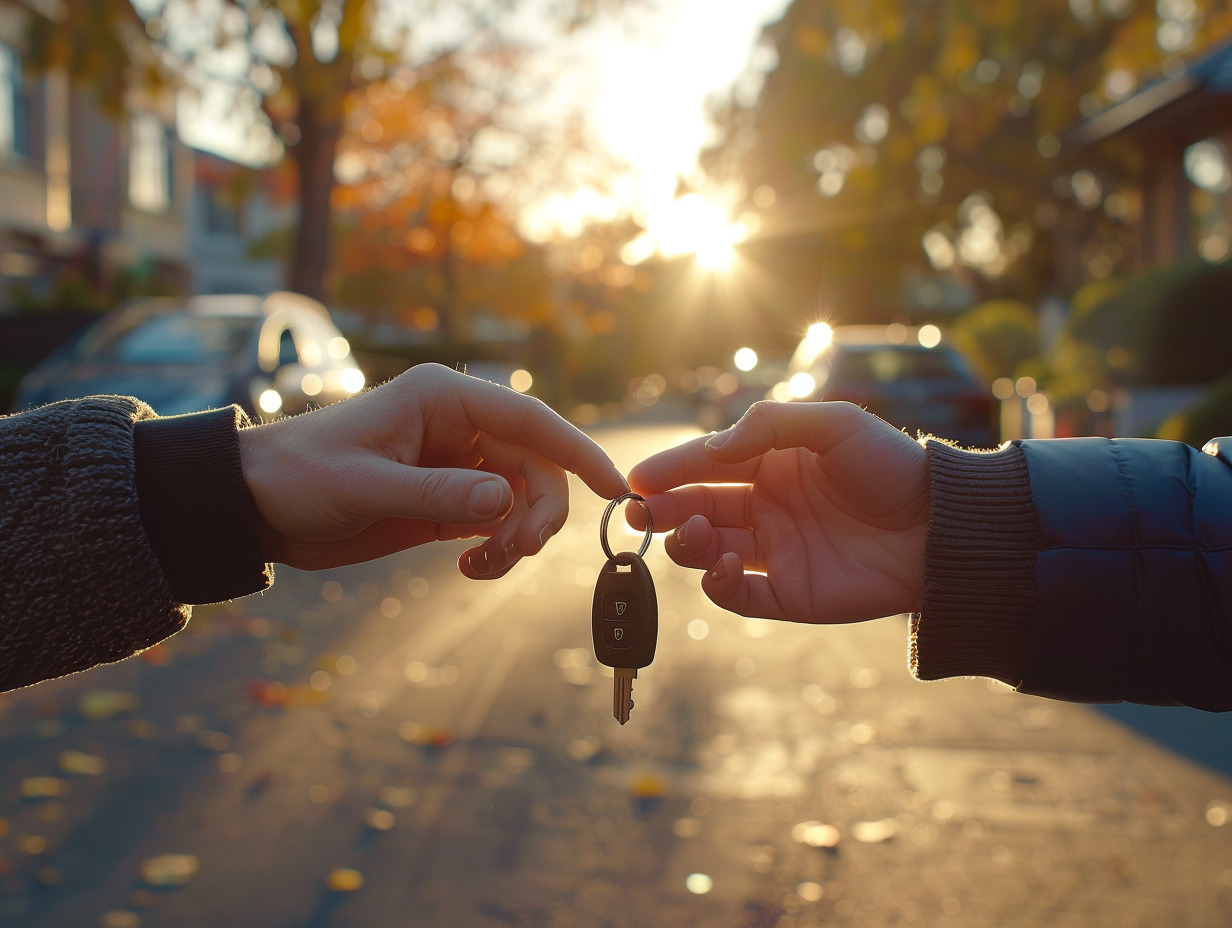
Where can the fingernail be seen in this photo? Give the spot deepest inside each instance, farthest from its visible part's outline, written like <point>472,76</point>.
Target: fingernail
<point>680,535</point>
<point>486,498</point>
<point>489,562</point>
<point>719,570</point>
<point>719,439</point>
<point>545,533</point>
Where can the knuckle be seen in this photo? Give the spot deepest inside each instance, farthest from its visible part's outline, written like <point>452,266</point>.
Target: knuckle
<point>762,411</point>
<point>428,488</point>
<point>846,407</point>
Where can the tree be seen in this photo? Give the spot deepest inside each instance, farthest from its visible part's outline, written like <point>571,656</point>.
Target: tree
<point>433,166</point>
<point>297,63</point>
<point>892,131</point>
<point>106,47</point>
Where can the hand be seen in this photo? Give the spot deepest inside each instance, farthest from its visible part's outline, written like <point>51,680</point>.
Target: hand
<point>431,455</point>
<point>825,502</point>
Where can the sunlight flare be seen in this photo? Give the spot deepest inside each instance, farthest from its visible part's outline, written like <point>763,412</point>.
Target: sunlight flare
<point>694,225</point>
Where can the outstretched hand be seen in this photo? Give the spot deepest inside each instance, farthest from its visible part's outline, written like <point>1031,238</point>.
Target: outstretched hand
<point>431,455</point>
<point>811,512</point>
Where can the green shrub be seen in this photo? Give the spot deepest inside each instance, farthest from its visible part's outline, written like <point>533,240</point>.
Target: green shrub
<point>1211,418</point>
<point>998,336</point>
<point>1169,325</point>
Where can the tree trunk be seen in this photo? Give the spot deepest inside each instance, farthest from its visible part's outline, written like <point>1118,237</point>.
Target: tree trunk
<point>314,162</point>
<point>455,326</point>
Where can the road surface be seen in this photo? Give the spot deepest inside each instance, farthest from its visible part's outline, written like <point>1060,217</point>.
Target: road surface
<point>392,745</point>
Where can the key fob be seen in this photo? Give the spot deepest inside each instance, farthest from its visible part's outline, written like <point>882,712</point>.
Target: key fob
<point>624,618</point>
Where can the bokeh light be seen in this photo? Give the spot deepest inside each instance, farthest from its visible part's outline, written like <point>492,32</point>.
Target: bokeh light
<point>521,380</point>
<point>270,401</point>
<point>699,883</point>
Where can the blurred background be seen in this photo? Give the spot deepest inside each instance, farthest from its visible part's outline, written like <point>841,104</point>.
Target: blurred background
<point>980,218</point>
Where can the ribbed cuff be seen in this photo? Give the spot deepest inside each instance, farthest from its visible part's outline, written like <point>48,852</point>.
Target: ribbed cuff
<point>195,507</point>
<point>979,566</point>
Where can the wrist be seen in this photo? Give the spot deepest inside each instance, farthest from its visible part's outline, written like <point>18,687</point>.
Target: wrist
<point>256,462</point>
<point>195,505</point>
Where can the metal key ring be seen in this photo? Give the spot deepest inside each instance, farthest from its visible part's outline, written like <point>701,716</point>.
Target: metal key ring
<point>607,516</point>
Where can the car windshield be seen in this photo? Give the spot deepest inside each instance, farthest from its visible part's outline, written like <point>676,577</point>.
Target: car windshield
<point>892,364</point>
<point>173,338</point>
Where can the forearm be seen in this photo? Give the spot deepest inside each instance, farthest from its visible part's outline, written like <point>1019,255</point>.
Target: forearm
<point>1089,570</point>
<point>979,589</point>
<point>81,584</point>
<point>1134,576</point>
<point>107,531</point>
<point>195,505</point>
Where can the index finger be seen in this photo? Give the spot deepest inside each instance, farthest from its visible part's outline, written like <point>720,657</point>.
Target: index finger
<point>687,463</point>
<point>529,422</point>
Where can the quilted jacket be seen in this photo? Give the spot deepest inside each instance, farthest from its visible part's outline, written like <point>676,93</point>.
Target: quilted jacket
<point>1088,569</point>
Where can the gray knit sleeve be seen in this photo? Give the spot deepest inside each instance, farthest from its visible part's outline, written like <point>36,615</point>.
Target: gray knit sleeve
<point>79,583</point>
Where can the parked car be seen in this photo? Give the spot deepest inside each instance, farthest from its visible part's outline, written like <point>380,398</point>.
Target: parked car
<point>722,396</point>
<point>275,354</point>
<point>906,376</point>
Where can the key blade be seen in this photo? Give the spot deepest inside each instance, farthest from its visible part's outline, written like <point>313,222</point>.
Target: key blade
<point>622,693</point>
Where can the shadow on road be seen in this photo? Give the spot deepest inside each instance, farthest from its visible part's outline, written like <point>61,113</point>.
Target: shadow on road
<point>1203,737</point>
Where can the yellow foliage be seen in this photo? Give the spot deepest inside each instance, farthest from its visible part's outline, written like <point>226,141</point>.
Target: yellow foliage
<point>932,125</point>
<point>997,14</point>
<point>893,26</point>
<point>961,52</point>
<point>811,41</point>
<point>925,87</point>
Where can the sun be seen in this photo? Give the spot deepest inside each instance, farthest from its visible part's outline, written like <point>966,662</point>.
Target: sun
<point>694,225</point>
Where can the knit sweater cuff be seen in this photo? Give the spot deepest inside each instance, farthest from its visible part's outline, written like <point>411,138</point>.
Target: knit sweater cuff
<point>979,566</point>
<point>195,507</point>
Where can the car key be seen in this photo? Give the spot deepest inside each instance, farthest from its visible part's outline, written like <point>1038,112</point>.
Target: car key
<point>624,617</point>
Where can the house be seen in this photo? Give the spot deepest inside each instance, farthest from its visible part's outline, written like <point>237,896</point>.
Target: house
<point>1172,141</point>
<point>1177,133</point>
<point>93,199</point>
<point>232,212</point>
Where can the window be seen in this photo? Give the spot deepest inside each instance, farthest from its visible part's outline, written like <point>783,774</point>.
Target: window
<point>218,215</point>
<point>14,107</point>
<point>1209,170</point>
<point>286,349</point>
<point>149,165</point>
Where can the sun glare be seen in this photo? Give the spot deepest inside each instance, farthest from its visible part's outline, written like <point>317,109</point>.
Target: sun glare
<point>695,225</point>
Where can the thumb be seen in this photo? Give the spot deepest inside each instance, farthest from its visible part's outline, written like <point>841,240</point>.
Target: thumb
<point>434,494</point>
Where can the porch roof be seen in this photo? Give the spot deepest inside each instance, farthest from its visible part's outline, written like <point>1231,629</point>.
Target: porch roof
<point>1189,104</point>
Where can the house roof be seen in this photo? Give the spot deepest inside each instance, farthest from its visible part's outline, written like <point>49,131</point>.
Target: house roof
<point>1208,76</point>
<point>1215,69</point>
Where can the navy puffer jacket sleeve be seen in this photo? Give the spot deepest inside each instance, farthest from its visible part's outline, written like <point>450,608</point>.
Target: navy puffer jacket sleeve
<point>1109,576</point>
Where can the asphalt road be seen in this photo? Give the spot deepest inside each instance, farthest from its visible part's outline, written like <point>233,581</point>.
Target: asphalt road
<point>392,745</point>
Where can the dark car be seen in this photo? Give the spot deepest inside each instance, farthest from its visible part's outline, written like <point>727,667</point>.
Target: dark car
<point>906,376</point>
<point>275,354</point>
<point>723,396</point>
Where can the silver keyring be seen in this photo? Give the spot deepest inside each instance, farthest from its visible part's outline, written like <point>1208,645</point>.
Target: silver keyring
<point>607,516</point>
